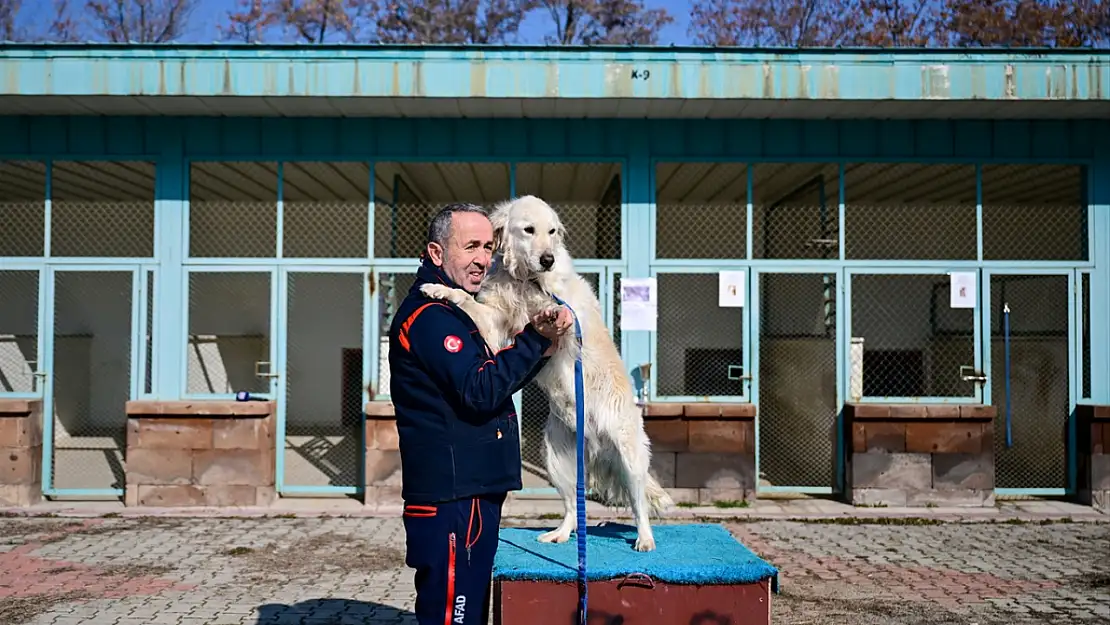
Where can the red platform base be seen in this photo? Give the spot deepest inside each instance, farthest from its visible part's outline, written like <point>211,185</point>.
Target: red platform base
<point>634,600</point>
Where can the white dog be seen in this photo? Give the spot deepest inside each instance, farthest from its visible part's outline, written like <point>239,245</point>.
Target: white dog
<point>532,263</point>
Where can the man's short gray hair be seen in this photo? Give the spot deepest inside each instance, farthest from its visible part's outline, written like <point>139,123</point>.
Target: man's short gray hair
<point>439,230</point>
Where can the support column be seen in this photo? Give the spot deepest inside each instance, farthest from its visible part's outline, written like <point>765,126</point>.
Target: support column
<point>170,302</point>
<point>636,345</point>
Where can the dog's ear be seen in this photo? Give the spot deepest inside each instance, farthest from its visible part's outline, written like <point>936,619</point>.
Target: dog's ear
<point>499,218</point>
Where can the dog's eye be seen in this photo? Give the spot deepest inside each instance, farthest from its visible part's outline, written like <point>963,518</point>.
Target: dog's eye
<point>530,230</point>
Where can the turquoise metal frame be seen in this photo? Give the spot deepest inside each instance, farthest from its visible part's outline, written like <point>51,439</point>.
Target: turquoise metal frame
<point>173,143</point>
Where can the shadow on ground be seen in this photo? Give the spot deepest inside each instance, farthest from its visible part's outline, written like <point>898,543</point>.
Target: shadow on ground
<point>337,611</point>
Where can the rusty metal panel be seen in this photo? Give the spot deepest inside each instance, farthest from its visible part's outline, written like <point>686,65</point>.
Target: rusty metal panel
<point>633,600</point>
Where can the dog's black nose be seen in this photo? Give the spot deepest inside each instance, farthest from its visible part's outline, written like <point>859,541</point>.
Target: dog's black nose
<point>547,260</point>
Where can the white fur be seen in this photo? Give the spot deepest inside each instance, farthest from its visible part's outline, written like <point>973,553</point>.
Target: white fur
<point>618,451</point>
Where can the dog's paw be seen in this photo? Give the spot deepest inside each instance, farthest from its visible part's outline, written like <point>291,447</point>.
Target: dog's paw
<point>554,536</point>
<point>446,293</point>
<point>645,543</point>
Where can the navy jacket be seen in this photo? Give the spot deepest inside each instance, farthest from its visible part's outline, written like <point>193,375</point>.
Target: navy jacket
<point>453,398</point>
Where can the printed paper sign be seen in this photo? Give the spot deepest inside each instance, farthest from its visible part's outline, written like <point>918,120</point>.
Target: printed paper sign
<point>731,289</point>
<point>962,289</point>
<point>639,304</point>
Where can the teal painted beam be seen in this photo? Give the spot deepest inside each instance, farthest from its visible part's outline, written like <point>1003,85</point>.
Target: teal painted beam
<point>374,72</point>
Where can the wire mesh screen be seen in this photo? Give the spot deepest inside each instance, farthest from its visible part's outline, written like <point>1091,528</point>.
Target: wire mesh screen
<point>102,208</point>
<point>323,439</point>
<point>588,198</point>
<point>233,210</point>
<point>884,201</point>
<point>407,195</point>
<point>701,210</point>
<point>1035,212</point>
<point>534,409</point>
<point>22,208</point>
<point>325,210</point>
<point>229,333</point>
<point>1085,357</point>
<point>699,345</point>
<point>1039,403</point>
<point>795,210</point>
<point>91,377</point>
<point>19,331</point>
<point>392,290</point>
<point>797,380</point>
<point>148,335</point>
<point>615,303</point>
<point>913,342</point>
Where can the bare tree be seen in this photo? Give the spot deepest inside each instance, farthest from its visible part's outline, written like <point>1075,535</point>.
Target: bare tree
<point>1020,23</point>
<point>320,21</point>
<point>604,22</point>
<point>9,9</point>
<point>449,21</point>
<point>779,23</point>
<point>250,22</point>
<point>897,23</point>
<point>63,26</point>
<point>140,21</point>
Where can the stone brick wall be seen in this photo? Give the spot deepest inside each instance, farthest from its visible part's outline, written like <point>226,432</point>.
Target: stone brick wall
<point>200,453</point>
<point>915,455</point>
<point>383,460</point>
<point>20,452</point>
<point>703,453</point>
<point>1093,447</point>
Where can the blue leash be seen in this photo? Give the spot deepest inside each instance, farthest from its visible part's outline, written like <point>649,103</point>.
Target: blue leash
<point>1006,345</point>
<point>580,444</point>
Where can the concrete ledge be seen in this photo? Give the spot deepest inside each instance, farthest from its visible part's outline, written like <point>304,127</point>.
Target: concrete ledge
<point>700,458</point>
<point>200,453</point>
<point>20,452</point>
<point>921,455</point>
<point>1093,455</point>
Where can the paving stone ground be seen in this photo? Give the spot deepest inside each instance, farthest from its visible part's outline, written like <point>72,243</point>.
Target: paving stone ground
<point>263,571</point>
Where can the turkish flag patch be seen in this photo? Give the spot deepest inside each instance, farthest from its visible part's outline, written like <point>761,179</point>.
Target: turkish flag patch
<point>452,343</point>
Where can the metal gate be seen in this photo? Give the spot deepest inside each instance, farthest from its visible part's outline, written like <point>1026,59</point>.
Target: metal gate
<point>320,412</point>
<point>1031,373</point>
<point>796,370</point>
<point>92,370</point>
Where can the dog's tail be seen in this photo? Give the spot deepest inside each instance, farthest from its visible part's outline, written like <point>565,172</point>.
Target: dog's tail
<point>657,497</point>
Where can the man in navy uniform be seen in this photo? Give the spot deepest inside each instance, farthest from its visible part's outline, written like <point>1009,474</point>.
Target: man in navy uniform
<point>459,440</point>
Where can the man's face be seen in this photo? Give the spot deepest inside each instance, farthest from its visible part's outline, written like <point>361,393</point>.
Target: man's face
<point>466,256</point>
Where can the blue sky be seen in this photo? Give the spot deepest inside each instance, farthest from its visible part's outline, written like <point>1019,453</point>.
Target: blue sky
<point>210,14</point>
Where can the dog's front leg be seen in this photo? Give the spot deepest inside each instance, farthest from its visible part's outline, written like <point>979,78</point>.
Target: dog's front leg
<point>488,319</point>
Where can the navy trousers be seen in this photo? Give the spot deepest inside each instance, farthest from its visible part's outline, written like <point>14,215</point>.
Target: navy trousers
<point>451,545</point>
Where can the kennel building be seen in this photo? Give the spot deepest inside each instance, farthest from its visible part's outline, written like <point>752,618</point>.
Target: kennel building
<point>916,244</point>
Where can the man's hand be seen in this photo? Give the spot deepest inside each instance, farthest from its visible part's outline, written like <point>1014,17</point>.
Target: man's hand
<point>553,323</point>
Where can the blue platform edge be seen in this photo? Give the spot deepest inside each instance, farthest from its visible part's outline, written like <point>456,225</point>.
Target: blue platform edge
<point>703,554</point>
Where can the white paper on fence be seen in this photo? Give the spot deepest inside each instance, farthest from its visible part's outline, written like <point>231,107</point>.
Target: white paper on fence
<point>962,289</point>
<point>639,304</point>
<point>730,292</point>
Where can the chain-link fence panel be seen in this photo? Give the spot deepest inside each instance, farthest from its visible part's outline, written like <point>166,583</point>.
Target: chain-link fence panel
<point>588,198</point>
<point>233,210</point>
<point>795,210</point>
<point>229,333</point>
<point>22,208</point>
<point>325,210</point>
<point>885,201</point>
<point>699,344</point>
<point>91,376</point>
<point>701,210</point>
<point>914,344</point>
<point>148,335</point>
<point>323,369</point>
<point>615,303</point>
<point>534,409</point>
<point>1085,357</point>
<point>1039,400</point>
<point>1035,212</point>
<point>407,196</point>
<point>392,290</point>
<point>19,332</point>
<point>102,208</point>
<point>797,380</point>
